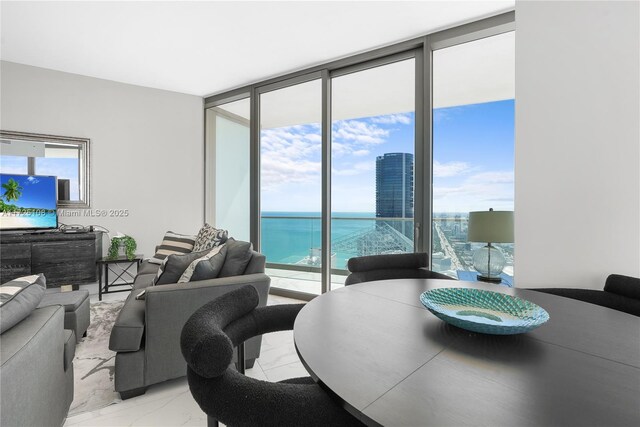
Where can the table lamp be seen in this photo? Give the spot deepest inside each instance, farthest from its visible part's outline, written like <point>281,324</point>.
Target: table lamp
<point>490,227</point>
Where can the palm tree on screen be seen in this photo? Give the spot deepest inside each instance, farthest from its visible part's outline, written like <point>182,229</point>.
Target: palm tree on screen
<point>12,190</point>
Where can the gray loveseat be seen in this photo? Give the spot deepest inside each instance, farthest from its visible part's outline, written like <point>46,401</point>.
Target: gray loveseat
<point>146,334</point>
<point>37,369</point>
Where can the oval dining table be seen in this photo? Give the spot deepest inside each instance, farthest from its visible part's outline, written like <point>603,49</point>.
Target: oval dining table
<point>390,362</point>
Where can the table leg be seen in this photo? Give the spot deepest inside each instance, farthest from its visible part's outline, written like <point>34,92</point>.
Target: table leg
<point>99,282</point>
<point>106,278</point>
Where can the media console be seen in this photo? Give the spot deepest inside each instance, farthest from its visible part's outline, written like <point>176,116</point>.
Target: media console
<point>64,258</point>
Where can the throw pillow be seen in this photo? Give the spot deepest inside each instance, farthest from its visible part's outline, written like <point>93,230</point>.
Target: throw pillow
<point>174,265</point>
<point>213,260</point>
<point>173,243</point>
<point>210,268</point>
<point>18,298</point>
<point>209,237</point>
<point>238,257</point>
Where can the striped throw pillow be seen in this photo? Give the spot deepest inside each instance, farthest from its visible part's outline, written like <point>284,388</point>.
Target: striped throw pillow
<point>173,243</point>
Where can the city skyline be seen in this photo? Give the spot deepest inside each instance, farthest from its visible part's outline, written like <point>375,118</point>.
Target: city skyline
<point>473,160</point>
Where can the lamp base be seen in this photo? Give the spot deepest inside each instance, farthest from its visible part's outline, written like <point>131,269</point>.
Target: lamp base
<point>489,279</point>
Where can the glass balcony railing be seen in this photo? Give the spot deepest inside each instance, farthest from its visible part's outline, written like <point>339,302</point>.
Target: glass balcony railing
<point>294,242</point>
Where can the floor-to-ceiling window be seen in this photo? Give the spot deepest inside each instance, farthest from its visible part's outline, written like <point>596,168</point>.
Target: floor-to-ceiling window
<point>228,174</point>
<point>372,162</point>
<point>291,185</point>
<point>473,145</point>
<point>384,152</point>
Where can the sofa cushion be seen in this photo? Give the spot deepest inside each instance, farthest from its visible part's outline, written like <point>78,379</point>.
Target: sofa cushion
<point>70,300</point>
<point>143,280</point>
<point>238,256</point>
<point>174,265</point>
<point>173,243</point>
<point>147,267</point>
<point>18,298</point>
<point>256,264</point>
<point>208,268</point>
<point>128,329</point>
<point>209,237</point>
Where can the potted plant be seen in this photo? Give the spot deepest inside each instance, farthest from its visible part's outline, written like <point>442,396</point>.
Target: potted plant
<point>128,243</point>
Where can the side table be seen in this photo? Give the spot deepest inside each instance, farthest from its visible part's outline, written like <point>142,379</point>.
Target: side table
<point>472,276</point>
<point>119,266</point>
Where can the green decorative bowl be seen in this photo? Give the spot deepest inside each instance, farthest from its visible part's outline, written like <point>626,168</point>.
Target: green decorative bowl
<point>484,311</point>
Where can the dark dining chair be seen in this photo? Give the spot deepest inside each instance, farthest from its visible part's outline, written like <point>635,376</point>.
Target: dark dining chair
<point>393,266</point>
<point>226,394</point>
<point>620,293</point>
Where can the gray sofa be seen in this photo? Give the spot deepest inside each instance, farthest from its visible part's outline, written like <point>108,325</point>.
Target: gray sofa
<point>146,334</point>
<point>37,369</point>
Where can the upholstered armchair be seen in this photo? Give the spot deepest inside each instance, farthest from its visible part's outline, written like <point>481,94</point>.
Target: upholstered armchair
<point>226,394</point>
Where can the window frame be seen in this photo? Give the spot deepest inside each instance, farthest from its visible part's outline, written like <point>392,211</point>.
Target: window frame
<point>422,48</point>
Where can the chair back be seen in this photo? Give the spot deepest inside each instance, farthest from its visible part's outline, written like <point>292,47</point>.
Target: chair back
<point>226,395</point>
<point>392,266</point>
<point>626,286</point>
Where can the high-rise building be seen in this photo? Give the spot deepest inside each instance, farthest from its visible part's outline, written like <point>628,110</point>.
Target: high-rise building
<point>394,190</point>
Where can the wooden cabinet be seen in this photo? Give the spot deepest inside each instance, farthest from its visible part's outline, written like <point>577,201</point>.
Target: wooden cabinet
<point>64,258</point>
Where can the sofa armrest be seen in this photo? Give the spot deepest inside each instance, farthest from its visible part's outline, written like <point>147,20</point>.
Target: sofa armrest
<point>34,383</point>
<point>168,307</point>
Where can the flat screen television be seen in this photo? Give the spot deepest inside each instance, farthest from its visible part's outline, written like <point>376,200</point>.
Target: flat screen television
<point>28,202</point>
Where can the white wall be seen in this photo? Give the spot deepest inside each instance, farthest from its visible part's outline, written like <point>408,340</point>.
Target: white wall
<point>577,142</point>
<point>147,145</point>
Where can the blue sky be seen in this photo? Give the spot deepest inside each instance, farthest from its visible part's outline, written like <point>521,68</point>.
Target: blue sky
<point>37,192</point>
<point>472,170</point>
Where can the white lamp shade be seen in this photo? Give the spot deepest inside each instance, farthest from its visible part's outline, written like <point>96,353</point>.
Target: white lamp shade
<point>491,226</point>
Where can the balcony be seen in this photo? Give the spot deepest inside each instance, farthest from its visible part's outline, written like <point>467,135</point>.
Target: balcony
<point>292,245</point>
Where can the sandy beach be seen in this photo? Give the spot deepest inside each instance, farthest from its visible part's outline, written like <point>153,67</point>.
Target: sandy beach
<point>12,220</point>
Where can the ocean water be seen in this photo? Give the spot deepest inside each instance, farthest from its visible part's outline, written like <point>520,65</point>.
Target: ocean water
<point>288,237</point>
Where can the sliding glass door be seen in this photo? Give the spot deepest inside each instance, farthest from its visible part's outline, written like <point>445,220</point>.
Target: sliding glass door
<point>291,185</point>
<point>372,162</point>
<point>473,145</point>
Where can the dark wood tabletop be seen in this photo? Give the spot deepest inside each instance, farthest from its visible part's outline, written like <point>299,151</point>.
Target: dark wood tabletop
<point>393,363</point>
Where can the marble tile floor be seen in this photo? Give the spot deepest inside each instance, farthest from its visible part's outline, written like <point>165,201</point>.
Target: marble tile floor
<point>171,403</point>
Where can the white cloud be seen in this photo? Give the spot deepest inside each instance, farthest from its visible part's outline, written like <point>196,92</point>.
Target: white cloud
<point>355,169</point>
<point>495,177</point>
<point>477,192</point>
<point>390,119</point>
<point>359,131</point>
<point>289,144</point>
<point>361,153</point>
<point>313,137</point>
<point>290,156</point>
<point>443,170</point>
<point>276,170</point>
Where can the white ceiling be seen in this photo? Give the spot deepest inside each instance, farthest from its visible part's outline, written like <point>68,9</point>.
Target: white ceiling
<point>470,73</point>
<point>208,47</point>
